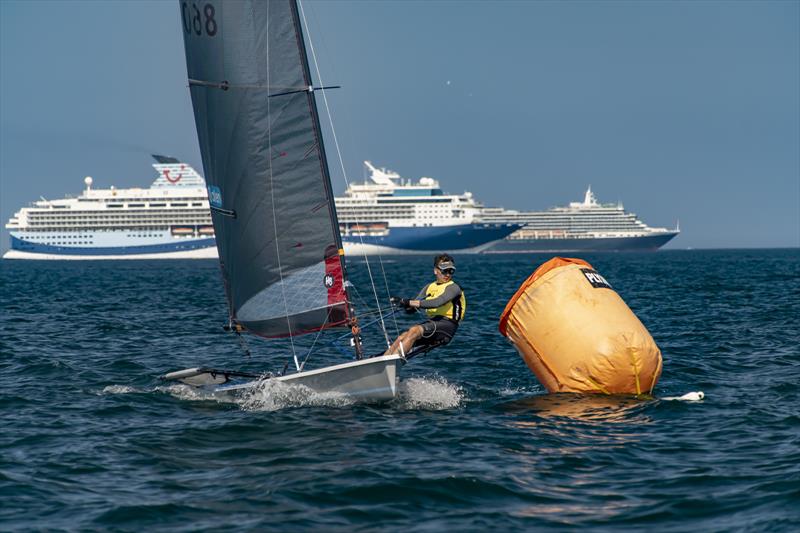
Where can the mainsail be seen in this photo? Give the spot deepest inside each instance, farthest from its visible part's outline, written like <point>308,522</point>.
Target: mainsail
<point>265,166</point>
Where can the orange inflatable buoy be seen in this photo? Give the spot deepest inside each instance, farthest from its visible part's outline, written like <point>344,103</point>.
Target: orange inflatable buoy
<point>577,335</point>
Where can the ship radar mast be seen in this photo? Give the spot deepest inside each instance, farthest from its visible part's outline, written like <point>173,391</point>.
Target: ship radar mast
<point>88,181</point>
<point>589,199</point>
<point>382,176</point>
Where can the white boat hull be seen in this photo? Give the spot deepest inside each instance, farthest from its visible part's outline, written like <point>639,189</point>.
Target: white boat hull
<point>367,379</point>
<point>373,379</point>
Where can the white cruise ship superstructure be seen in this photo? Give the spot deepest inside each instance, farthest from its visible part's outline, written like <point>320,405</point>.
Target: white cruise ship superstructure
<point>171,219</point>
<point>581,226</point>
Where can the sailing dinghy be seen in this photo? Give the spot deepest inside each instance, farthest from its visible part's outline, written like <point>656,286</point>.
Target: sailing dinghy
<point>271,198</point>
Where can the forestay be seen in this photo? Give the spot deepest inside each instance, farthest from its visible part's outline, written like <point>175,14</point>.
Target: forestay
<point>268,183</point>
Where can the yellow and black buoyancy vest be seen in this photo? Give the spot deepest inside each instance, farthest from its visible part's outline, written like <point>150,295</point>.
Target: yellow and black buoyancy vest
<point>454,309</point>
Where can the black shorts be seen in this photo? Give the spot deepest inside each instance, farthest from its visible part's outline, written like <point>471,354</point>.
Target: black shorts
<point>438,330</point>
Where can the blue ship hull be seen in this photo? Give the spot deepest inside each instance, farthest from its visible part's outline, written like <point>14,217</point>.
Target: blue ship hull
<point>89,251</point>
<point>610,244</point>
<point>401,240</point>
<point>433,238</point>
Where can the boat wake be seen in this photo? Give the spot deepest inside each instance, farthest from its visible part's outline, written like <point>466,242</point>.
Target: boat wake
<point>180,391</point>
<point>432,393</point>
<point>273,395</point>
<point>119,389</point>
<point>418,393</point>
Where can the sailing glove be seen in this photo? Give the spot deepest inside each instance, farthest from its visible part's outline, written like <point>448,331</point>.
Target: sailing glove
<point>402,302</point>
<point>399,302</point>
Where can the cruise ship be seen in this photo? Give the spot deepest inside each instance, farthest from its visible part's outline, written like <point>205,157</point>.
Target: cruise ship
<point>386,214</point>
<point>171,219</point>
<point>582,226</point>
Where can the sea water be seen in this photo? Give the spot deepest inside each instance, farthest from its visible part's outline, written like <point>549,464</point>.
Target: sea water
<point>92,439</point>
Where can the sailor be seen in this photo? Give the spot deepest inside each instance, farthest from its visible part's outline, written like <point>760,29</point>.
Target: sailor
<point>444,303</point>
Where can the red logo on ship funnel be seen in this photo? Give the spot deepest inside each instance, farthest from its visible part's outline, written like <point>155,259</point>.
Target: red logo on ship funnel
<point>171,180</point>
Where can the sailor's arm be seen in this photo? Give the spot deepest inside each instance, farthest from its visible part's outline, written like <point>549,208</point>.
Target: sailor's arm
<point>422,293</point>
<point>451,292</point>
<point>403,302</point>
<point>421,296</point>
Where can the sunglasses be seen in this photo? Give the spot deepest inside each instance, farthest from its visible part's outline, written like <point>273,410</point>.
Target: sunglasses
<point>447,271</point>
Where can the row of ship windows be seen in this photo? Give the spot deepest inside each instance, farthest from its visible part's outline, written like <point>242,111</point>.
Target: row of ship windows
<point>51,240</point>
<point>150,212</point>
<point>93,230</point>
<point>60,238</point>
<point>567,215</point>
<point>582,225</point>
<point>565,220</point>
<point>369,216</point>
<point>148,221</point>
<point>122,199</point>
<point>183,216</point>
<point>140,207</point>
<point>528,218</point>
<point>119,205</point>
<point>372,214</point>
<point>571,222</point>
<point>398,207</point>
<point>173,204</point>
<point>120,217</point>
<point>98,227</point>
<point>113,220</point>
<point>117,222</point>
<point>382,205</point>
<point>416,201</point>
<point>374,211</point>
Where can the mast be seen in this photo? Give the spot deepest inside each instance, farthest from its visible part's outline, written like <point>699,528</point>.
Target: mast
<point>312,103</point>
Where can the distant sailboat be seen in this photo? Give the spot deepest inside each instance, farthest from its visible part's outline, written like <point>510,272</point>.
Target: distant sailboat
<point>270,193</point>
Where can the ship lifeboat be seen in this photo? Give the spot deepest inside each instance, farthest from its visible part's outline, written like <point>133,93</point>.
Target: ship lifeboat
<point>207,230</point>
<point>182,231</point>
<point>576,334</point>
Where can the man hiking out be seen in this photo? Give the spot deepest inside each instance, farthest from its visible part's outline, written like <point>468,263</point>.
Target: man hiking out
<point>443,302</point>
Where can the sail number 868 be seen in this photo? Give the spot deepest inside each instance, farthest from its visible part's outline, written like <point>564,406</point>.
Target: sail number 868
<point>195,21</point>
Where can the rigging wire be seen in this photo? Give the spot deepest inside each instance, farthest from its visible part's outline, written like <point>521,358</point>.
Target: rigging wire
<point>339,154</point>
<point>274,218</point>
<point>388,295</point>
<point>357,297</point>
<point>310,349</point>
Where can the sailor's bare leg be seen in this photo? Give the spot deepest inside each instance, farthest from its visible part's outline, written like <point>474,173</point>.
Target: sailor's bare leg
<point>407,338</point>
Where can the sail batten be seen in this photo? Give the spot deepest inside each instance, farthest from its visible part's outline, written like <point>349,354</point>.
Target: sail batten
<point>280,91</point>
<point>264,162</point>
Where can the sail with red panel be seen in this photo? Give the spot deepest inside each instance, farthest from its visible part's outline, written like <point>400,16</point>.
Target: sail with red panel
<point>268,182</point>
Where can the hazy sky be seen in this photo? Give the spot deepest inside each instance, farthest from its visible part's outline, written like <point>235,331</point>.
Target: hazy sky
<point>684,111</point>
